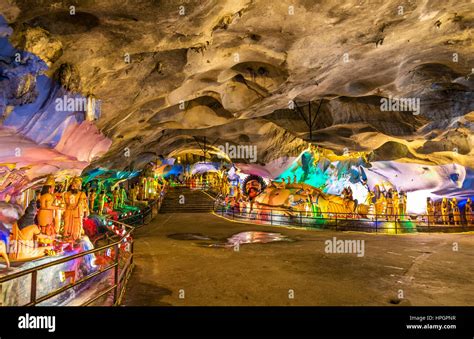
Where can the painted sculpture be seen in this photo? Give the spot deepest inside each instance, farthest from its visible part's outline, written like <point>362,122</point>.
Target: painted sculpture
<point>456,211</point>
<point>46,211</point>
<point>76,209</point>
<point>430,211</point>
<point>445,211</point>
<point>468,212</point>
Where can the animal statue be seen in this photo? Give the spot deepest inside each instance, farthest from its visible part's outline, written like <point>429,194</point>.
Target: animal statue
<point>23,234</point>
<point>28,218</point>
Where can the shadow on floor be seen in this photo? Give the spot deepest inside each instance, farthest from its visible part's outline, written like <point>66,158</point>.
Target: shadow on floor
<point>144,294</point>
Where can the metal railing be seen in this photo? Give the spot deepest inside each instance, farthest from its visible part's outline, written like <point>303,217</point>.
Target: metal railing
<point>195,186</point>
<point>339,221</point>
<point>121,272</point>
<point>147,214</point>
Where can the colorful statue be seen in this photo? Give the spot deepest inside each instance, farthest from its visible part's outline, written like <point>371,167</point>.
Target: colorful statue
<point>456,211</point>
<point>122,197</point>
<point>47,208</point>
<point>379,201</point>
<point>430,211</point>
<point>402,204</point>
<point>445,211</point>
<point>102,201</point>
<point>92,197</point>
<point>396,206</point>
<point>58,213</point>
<point>115,198</point>
<point>347,197</point>
<point>77,208</point>
<point>23,235</point>
<point>468,212</point>
<point>389,205</point>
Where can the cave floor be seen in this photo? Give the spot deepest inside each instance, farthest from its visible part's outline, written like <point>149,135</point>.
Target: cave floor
<point>174,266</point>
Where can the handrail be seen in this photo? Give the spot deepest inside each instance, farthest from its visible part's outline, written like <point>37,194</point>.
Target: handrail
<point>258,214</point>
<point>118,286</point>
<point>34,300</point>
<point>65,259</point>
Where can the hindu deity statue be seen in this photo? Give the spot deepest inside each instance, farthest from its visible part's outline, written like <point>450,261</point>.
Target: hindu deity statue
<point>144,188</point>
<point>369,201</point>
<point>456,211</point>
<point>102,201</point>
<point>122,197</point>
<point>59,202</point>
<point>77,208</point>
<point>402,204</point>
<point>389,205</point>
<point>92,197</point>
<point>379,201</point>
<point>445,211</point>
<point>47,208</point>
<point>115,198</point>
<point>430,211</point>
<point>468,212</point>
<point>347,196</point>
<point>396,207</point>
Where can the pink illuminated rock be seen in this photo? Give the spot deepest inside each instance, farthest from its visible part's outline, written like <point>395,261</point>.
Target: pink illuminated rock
<point>83,141</point>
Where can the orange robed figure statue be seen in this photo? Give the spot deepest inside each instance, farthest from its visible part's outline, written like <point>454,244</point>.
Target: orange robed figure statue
<point>47,208</point>
<point>76,209</point>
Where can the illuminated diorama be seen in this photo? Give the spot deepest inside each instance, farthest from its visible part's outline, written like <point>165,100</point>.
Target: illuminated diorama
<point>106,161</point>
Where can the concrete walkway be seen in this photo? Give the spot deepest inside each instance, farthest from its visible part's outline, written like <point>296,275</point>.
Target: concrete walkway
<point>422,268</point>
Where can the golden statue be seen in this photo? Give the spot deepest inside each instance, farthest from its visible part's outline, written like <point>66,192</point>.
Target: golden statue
<point>445,211</point>
<point>46,215</point>
<point>396,204</point>
<point>115,198</point>
<point>402,204</point>
<point>468,212</point>
<point>430,211</point>
<point>102,200</point>
<point>379,202</point>
<point>77,208</point>
<point>92,197</point>
<point>456,211</point>
<point>389,205</point>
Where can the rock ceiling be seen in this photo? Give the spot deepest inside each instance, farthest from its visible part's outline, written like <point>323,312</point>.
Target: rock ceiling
<point>171,72</point>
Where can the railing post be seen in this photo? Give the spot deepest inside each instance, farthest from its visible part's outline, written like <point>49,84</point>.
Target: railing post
<point>336,221</point>
<point>301,220</point>
<point>376,223</point>
<point>34,275</point>
<point>271,217</point>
